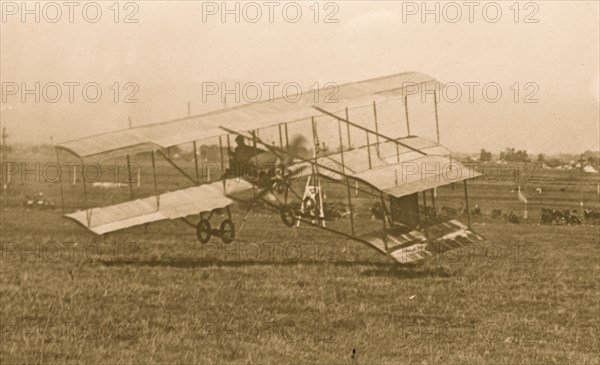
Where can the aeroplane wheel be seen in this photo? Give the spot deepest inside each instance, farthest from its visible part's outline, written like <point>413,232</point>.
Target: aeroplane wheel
<point>203,231</point>
<point>227,231</point>
<point>280,188</point>
<point>287,216</point>
<point>310,205</point>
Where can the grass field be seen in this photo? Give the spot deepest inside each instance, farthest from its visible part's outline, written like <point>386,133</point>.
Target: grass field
<point>302,296</point>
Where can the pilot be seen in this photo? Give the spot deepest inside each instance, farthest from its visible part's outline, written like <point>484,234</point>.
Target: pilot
<point>243,153</point>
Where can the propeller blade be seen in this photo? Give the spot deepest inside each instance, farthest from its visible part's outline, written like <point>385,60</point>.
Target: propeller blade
<point>295,148</point>
<point>298,170</point>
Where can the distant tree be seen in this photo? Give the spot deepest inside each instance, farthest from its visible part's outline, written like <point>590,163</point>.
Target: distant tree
<point>541,158</point>
<point>554,162</point>
<point>593,161</point>
<point>512,155</point>
<point>485,156</point>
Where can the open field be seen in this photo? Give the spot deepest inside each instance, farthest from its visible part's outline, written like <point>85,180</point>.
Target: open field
<point>280,295</point>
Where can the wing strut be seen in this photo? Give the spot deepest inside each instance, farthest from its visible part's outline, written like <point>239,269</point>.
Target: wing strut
<point>177,167</point>
<point>370,131</point>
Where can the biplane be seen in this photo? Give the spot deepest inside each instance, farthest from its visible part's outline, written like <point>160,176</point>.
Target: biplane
<point>361,143</point>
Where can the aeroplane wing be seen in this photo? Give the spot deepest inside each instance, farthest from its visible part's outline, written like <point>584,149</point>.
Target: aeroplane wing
<point>398,171</point>
<point>170,205</point>
<point>241,118</point>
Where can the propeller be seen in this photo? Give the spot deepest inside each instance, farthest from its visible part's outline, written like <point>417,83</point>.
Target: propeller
<point>283,175</point>
<point>286,158</point>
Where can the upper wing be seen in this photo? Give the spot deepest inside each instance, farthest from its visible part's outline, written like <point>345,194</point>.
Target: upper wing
<point>243,118</point>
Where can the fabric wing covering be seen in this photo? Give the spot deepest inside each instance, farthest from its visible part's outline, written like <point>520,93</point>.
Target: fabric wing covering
<point>399,172</point>
<point>413,164</point>
<point>171,205</point>
<point>244,117</point>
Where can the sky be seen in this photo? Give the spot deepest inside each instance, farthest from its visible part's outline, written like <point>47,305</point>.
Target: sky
<point>160,55</point>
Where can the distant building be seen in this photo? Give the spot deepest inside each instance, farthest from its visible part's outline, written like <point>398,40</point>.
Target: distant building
<point>591,169</point>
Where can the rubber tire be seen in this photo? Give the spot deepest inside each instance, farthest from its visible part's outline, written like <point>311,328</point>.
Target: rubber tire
<point>203,228</point>
<point>227,235</point>
<point>287,216</point>
<point>280,188</point>
<point>310,205</point>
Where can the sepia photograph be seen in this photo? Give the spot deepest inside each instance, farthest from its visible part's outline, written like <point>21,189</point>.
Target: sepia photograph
<point>300,182</point>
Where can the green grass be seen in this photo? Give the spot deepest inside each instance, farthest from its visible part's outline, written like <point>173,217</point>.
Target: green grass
<point>530,296</point>
<point>302,296</point>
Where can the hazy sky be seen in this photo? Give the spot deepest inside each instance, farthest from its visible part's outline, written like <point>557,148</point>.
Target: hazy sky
<point>172,50</point>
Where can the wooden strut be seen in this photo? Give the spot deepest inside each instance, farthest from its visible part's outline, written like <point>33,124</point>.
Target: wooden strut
<point>287,138</point>
<point>376,128</point>
<point>437,125</point>
<point>196,162</point>
<point>348,130</point>
<point>270,206</point>
<point>88,212</point>
<point>316,181</point>
<point>384,234</point>
<point>228,167</point>
<point>274,208</point>
<point>222,169</point>
<point>176,167</point>
<point>311,161</point>
<point>62,195</point>
<point>345,178</point>
<point>254,137</point>
<point>280,136</point>
<point>369,151</point>
<point>384,137</point>
<point>467,205</point>
<point>155,182</point>
<point>425,212</point>
<point>129,177</point>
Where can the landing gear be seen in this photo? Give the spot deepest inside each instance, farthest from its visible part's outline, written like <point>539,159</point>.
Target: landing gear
<point>287,216</point>
<point>281,188</point>
<point>226,231</point>
<point>311,207</point>
<point>203,231</point>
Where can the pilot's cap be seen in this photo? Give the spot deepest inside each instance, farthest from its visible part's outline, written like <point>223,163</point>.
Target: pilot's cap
<point>239,139</point>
